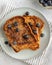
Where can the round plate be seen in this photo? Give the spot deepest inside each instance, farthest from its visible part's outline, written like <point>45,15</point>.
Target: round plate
<point>27,53</point>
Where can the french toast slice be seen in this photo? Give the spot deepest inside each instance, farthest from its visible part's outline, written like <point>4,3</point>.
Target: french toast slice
<point>39,23</point>
<point>19,34</point>
<point>34,21</point>
<point>31,23</point>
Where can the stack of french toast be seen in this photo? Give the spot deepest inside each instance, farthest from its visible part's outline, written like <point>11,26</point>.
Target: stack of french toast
<point>23,32</point>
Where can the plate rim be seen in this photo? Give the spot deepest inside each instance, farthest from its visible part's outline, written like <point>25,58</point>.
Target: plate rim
<point>36,11</point>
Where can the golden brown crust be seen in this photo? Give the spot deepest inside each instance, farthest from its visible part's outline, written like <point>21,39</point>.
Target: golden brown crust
<point>34,20</point>
<point>29,19</point>
<point>38,20</point>
<point>32,41</point>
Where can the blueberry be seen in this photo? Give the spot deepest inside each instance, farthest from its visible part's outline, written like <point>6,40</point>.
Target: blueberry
<point>34,31</point>
<point>14,42</point>
<point>30,24</point>
<point>9,26</point>
<point>17,30</point>
<point>44,4</point>
<point>25,36</point>
<point>42,35</point>
<point>38,25</point>
<point>49,2</point>
<point>27,13</point>
<point>6,42</point>
<point>45,0</point>
<point>15,23</point>
<point>41,1</point>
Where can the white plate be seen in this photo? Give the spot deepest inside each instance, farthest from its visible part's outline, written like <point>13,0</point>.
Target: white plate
<point>25,54</point>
